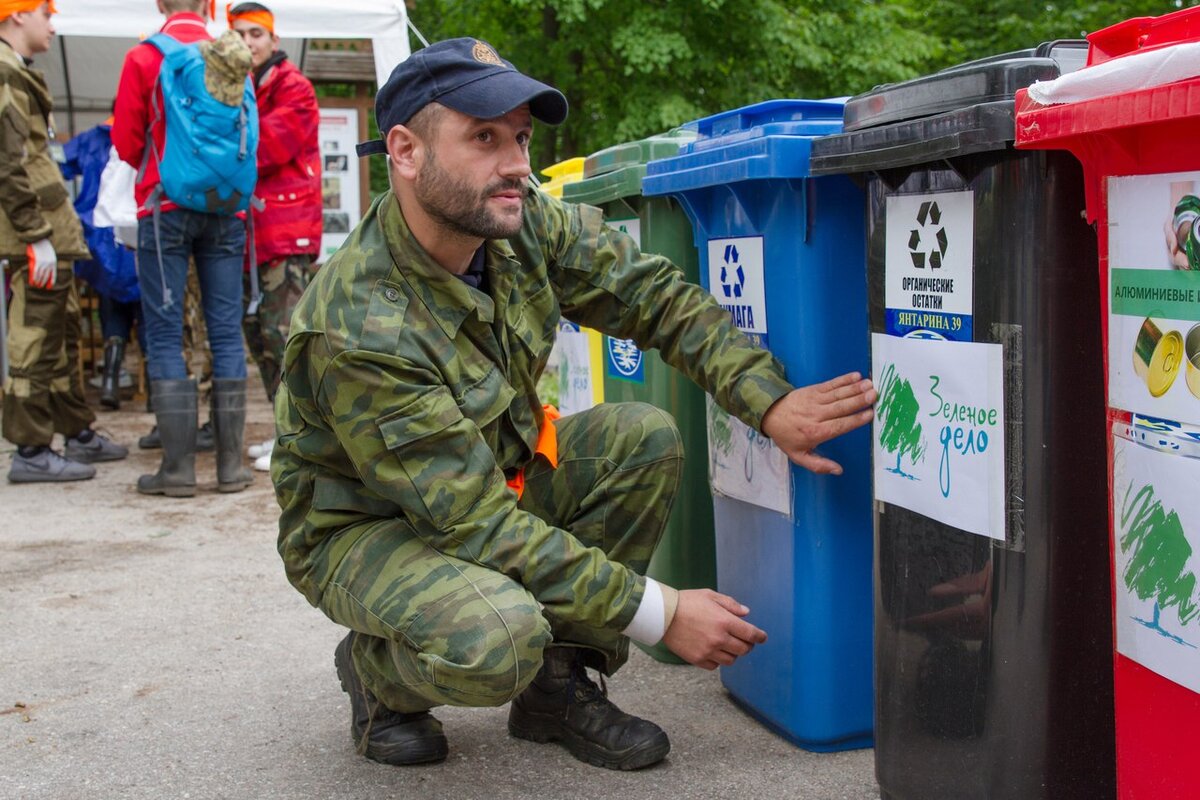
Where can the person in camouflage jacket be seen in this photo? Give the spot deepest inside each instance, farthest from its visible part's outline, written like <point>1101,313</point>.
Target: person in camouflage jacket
<point>480,550</point>
<point>40,236</point>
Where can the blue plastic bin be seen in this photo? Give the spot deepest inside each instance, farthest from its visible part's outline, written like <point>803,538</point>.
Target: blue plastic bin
<point>797,549</point>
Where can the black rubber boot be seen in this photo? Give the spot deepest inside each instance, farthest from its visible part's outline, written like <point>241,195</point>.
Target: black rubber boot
<point>175,413</point>
<point>383,735</point>
<point>229,426</point>
<point>110,381</point>
<point>564,705</point>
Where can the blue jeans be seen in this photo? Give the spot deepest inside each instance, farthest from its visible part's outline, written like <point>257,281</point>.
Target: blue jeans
<point>218,244</point>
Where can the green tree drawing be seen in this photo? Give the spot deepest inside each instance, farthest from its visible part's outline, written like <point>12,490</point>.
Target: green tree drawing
<point>1158,553</point>
<point>900,433</point>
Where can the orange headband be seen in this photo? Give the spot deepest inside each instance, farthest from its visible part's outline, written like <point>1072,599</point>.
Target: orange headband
<point>263,19</point>
<point>10,7</point>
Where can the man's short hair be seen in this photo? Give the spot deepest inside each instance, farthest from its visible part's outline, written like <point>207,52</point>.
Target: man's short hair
<point>176,6</point>
<point>242,8</point>
<point>425,122</point>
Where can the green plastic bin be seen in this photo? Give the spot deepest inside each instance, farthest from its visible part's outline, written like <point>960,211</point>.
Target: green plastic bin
<point>612,181</point>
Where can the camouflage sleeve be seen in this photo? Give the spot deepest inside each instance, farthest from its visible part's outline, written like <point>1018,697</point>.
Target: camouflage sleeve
<point>606,283</point>
<point>18,200</point>
<point>402,429</point>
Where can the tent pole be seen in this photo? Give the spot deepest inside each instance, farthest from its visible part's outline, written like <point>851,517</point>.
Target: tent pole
<point>62,49</point>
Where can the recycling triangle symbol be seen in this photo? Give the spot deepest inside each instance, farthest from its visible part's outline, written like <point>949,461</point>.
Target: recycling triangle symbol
<point>927,242</point>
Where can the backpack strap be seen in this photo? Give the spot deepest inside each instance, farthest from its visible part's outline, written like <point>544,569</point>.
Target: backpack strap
<point>255,290</point>
<point>165,43</point>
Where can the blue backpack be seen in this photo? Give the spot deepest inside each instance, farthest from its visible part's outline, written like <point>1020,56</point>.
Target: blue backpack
<point>209,162</point>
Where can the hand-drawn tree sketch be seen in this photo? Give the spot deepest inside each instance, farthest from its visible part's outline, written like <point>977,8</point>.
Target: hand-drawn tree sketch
<point>1158,553</point>
<point>899,431</point>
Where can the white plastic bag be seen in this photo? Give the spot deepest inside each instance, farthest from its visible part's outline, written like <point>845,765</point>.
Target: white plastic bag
<point>116,207</point>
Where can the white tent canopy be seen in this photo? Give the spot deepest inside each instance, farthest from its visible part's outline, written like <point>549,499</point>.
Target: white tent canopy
<point>84,62</point>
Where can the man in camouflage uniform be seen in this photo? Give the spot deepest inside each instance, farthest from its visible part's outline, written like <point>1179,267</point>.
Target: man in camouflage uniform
<point>40,236</point>
<point>479,551</point>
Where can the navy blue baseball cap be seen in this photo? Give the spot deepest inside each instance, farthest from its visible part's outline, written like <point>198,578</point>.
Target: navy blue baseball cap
<point>466,75</point>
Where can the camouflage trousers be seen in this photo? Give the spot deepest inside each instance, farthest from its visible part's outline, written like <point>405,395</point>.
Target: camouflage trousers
<point>42,395</point>
<point>282,281</point>
<point>195,334</point>
<point>441,631</point>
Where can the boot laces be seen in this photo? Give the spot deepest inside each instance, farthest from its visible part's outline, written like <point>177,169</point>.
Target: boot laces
<point>582,689</point>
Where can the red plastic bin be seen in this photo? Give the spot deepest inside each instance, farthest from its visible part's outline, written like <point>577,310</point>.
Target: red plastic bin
<point>1140,156</point>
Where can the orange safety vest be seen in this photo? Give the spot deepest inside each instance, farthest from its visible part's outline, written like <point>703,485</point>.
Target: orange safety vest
<point>547,446</point>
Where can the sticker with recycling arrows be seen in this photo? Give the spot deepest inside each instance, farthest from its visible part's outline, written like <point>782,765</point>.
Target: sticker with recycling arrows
<point>929,265</point>
<point>735,277</point>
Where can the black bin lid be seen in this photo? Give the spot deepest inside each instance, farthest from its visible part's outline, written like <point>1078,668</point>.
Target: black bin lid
<point>957,111</point>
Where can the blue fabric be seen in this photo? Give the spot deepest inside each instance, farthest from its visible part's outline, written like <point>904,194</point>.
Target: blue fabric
<point>112,270</point>
<point>210,159</point>
<point>218,244</point>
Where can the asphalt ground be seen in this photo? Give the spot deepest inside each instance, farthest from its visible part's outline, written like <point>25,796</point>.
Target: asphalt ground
<point>151,648</point>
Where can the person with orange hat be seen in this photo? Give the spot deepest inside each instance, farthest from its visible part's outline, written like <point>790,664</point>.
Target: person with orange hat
<point>287,226</point>
<point>40,235</point>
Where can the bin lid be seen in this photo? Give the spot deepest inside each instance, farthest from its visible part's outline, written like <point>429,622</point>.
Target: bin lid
<point>982,81</point>
<point>560,174</point>
<point>956,112</point>
<point>617,171</point>
<point>766,140</point>
<point>1143,33</point>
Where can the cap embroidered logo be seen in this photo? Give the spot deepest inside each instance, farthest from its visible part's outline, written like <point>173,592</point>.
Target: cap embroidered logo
<point>484,54</point>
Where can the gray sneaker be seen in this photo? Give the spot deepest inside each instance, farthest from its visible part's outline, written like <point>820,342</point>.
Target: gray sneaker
<point>100,448</point>
<point>48,467</point>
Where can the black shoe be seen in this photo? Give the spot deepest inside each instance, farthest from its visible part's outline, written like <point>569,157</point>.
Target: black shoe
<point>204,439</point>
<point>564,705</point>
<point>151,441</point>
<point>383,735</point>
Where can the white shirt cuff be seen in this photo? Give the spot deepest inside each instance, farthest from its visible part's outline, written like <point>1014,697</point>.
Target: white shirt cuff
<point>649,623</point>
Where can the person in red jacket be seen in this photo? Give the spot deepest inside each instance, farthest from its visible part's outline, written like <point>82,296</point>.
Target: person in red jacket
<point>287,229</point>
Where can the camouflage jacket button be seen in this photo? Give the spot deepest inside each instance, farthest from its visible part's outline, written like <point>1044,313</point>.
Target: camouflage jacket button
<point>391,294</point>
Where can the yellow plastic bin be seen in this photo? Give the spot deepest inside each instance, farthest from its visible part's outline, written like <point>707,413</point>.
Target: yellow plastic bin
<point>580,350</point>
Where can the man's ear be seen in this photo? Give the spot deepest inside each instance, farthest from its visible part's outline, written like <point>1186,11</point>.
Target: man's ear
<point>406,150</point>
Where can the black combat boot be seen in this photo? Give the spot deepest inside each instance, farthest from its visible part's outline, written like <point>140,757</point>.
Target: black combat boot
<point>110,381</point>
<point>229,427</point>
<point>383,735</point>
<point>564,705</point>
<point>175,412</point>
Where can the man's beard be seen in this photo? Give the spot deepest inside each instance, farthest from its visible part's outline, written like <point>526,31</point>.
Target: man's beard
<point>456,206</point>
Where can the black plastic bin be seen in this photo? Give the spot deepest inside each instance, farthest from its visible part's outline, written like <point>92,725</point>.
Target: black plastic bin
<point>998,683</point>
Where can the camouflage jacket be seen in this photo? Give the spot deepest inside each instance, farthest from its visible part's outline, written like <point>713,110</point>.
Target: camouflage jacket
<point>33,198</point>
<point>407,393</point>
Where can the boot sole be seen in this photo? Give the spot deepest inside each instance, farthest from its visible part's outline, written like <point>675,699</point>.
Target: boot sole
<point>230,488</point>
<point>170,491</point>
<point>544,729</point>
<point>422,751</point>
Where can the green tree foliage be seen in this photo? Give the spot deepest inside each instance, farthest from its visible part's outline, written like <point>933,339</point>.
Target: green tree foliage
<point>632,68</point>
<point>897,409</point>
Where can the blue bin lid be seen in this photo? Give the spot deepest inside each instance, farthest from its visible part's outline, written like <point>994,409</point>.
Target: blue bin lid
<point>762,141</point>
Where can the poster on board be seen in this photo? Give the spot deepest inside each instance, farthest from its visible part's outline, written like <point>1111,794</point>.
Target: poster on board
<point>1154,295</point>
<point>340,188</point>
<point>742,463</point>
<point>939,430</point>
<point>1156,527</point>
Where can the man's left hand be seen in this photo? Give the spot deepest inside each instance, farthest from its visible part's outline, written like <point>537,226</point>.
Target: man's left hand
<point>806,417</point>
